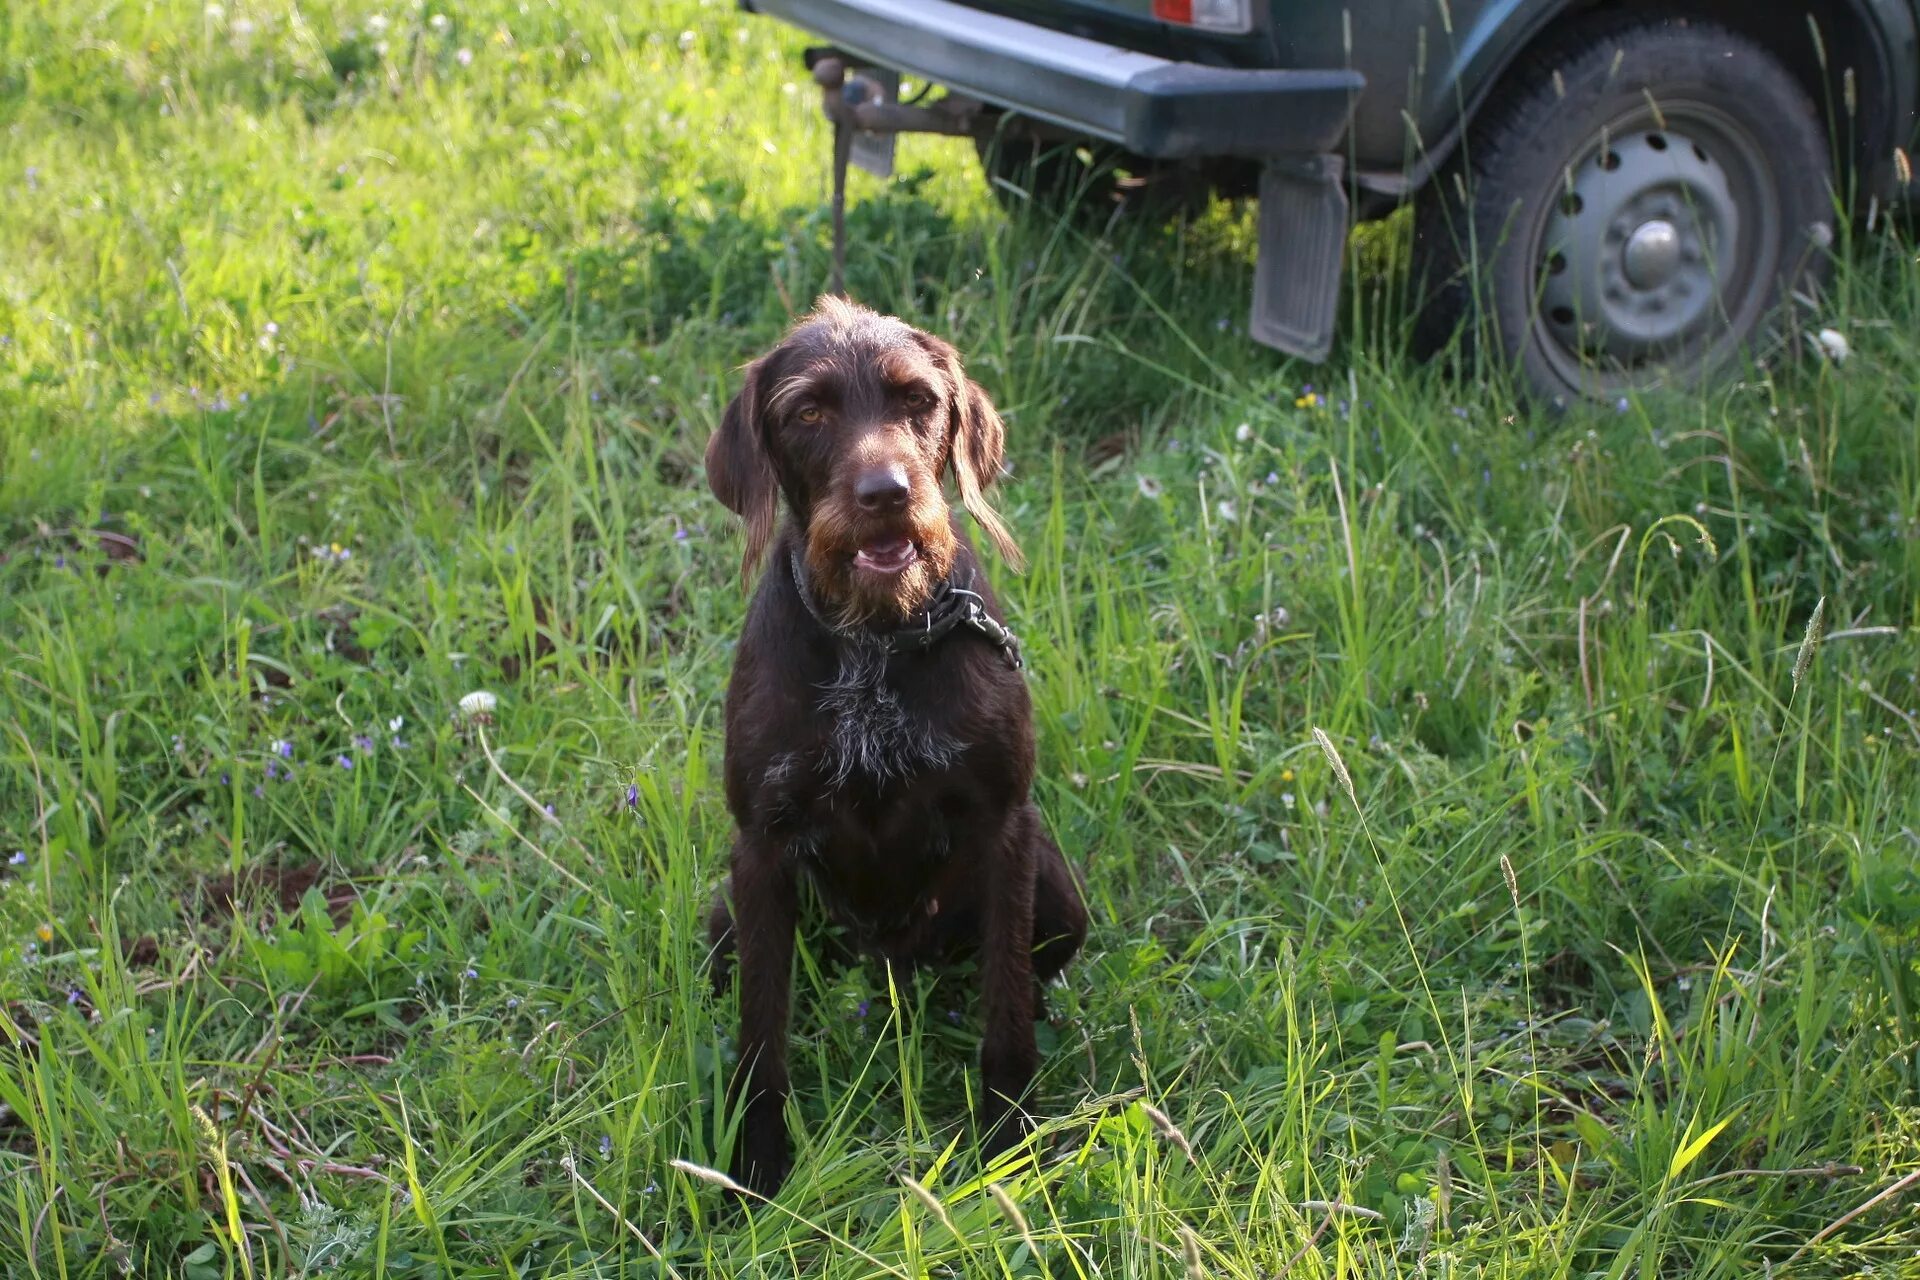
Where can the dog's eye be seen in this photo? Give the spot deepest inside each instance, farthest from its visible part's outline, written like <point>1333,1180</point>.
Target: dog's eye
<point>917,400</point>
<point>809,414</point>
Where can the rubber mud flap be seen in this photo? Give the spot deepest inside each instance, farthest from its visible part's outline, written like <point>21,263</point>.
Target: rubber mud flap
<point>1303,238</point>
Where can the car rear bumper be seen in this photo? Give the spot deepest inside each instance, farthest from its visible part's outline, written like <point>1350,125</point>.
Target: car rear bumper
<point>1151,106</point>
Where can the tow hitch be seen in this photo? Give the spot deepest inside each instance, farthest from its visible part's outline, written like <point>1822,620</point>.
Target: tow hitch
<point>867,117</point>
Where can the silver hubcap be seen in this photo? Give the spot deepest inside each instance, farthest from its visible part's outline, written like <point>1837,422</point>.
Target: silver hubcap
<point>1634,250</point>
<point>1652,254</point>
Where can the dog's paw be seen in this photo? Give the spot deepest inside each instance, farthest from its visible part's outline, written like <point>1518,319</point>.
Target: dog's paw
<point>1001,1134</point>
<point>761,1164</point>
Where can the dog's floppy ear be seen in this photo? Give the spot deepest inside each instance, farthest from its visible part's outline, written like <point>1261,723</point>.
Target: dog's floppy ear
<point>978,447</point>
<point>739,471</point>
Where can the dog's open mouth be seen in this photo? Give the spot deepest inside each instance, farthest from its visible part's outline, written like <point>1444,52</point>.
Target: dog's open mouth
<point>887,555</point>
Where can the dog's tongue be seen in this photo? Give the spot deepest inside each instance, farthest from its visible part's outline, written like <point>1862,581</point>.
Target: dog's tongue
<point>886,555</point>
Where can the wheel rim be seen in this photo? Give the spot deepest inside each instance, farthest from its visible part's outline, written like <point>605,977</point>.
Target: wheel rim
<point>1658,254</point>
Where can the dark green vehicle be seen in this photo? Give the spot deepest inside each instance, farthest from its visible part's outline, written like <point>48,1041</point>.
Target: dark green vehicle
<point>1628,194</point>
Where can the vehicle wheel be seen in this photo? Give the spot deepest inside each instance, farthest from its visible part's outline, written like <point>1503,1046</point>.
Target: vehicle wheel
<point>1090,178</point>
<point>1638,203</point>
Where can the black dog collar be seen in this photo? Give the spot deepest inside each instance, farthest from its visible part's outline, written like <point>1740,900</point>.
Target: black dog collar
<point>954,605</point>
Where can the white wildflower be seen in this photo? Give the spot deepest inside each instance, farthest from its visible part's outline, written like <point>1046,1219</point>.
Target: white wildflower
<point>478,704</point>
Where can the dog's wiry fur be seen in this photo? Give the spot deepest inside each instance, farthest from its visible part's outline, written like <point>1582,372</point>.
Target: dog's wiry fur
<point>890,788</point>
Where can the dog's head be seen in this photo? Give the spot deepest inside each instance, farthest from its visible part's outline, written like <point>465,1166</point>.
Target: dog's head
<point>854,418</point>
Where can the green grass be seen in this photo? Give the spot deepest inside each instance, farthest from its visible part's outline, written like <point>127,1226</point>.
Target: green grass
<point>1607,968</point>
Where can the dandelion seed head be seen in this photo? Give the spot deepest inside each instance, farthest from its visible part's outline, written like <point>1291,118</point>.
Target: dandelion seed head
<point>478,705</point>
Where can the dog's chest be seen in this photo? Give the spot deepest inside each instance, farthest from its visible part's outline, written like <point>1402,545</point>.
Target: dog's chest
<point>874,733</point>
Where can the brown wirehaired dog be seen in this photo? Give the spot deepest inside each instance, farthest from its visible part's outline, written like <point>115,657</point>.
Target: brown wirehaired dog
<point>879,741</point>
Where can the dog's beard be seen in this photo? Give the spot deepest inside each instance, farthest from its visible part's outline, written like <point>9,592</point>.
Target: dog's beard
<point>853,596</point>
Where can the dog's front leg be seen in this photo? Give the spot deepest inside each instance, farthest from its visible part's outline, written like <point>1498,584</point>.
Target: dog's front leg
<point>764,905</point>
<point>1008,1057</point>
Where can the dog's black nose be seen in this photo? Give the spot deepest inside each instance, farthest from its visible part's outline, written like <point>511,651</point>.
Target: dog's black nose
<point>883,488</point>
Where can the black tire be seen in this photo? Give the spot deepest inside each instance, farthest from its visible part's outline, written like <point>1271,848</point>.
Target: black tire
<point>1089,179</point>
<point>1639,202</point>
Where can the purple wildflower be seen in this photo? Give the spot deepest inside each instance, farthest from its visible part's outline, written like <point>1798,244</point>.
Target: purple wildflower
<point>225,779</point>
<point>345,762</point>
<point>471,972</point>
<point>953,1016</point>
<point>259,793</point>
<point>633,796</point>
<point>397,742</point>
<point>1621,405</point>
<point>19,858</point>
<point>273,773</point>
<point>861,1012</point>
<point>606,1145</point>
<point>282,748</point>
<point>73,995</point>
<point>363,744</point>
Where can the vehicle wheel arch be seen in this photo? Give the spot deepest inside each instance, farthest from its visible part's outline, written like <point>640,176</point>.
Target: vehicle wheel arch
<point>1877,41</point>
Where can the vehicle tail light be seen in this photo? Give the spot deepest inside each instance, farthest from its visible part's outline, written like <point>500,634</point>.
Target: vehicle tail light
<point>1208,15</point>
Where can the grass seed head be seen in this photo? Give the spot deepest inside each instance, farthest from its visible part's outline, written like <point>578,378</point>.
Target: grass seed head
<point>1169,1130</point>
<point>1809,643</point>
<point>1190,1251</point>
<point>932,1203</point>
<point>1334,762</point>
<point>1011,1207</point>
<point>705,1174</point>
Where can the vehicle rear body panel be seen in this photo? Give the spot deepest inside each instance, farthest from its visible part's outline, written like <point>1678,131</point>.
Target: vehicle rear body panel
<point>1424,62</point>
<point>1148,103</point>
<point>1429,64</point>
